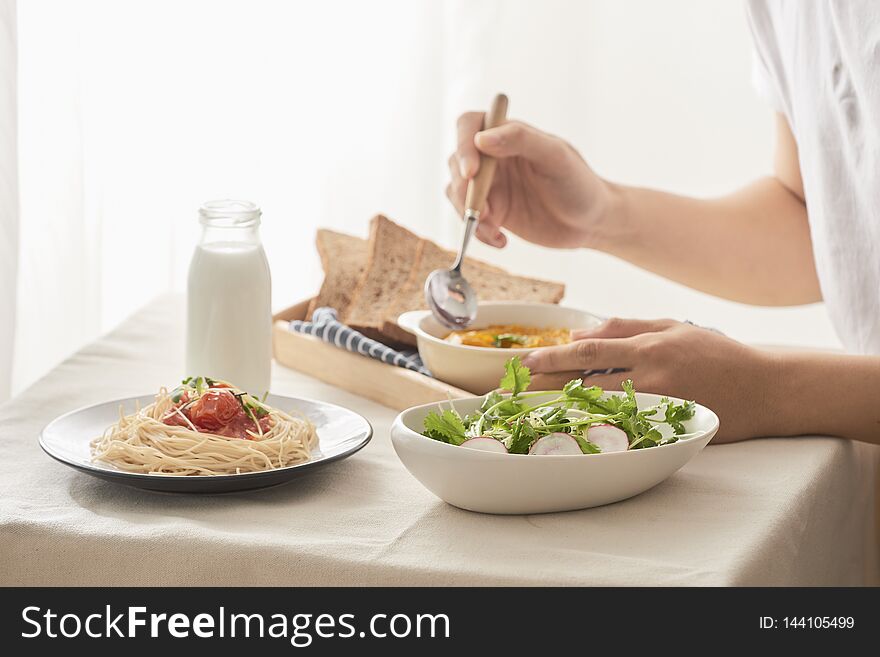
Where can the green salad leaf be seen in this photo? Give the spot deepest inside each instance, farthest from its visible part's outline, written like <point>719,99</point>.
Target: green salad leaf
<point>447,427</point>
<point>500,406</point>
<point>522,437</point>
<point>576,391</point>
<point>586,446</point>
<point>516,377</point>
<point>676,415</point>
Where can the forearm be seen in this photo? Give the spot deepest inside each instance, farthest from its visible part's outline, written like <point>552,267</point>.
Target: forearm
<point>822,393</point>
<point>752,246</point>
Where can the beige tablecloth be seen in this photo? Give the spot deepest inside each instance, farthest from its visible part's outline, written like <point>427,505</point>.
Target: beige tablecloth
<point>774,511</point>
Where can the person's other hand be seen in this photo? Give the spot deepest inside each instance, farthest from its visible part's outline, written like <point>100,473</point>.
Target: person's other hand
<point>669,358</point>
<point>542,190</point>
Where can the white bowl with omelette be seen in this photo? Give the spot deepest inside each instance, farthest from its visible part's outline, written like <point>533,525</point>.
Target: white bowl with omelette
<point>471,359</point>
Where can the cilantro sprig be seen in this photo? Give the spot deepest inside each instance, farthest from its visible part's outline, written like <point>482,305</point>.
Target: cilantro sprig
<point>446,427</point>
<point>516,377</point>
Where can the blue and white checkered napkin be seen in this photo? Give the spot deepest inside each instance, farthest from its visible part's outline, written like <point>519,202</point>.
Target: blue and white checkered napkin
<point>325,324</point>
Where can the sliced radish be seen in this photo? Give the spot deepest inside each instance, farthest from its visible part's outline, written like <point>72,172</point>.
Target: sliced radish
<point>485,444</point>
<point>608,438</point>
<point>555,443</point>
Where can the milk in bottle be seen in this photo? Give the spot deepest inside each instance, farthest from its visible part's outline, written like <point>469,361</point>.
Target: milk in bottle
<point>229,317</point>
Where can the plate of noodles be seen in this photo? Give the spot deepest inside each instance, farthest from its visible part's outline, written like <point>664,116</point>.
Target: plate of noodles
<point>204,436</point>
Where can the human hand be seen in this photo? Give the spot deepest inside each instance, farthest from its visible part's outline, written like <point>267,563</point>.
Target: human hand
<point>671,358</point>
<point>543,190</point>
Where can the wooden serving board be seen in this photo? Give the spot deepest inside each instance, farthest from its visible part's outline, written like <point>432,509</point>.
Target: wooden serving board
<point>394,387</point>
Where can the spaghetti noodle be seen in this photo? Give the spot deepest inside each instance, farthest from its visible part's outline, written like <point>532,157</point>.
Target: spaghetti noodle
<point>205,427</point>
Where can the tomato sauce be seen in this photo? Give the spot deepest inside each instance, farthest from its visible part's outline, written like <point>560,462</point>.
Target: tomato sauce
<point>218,412</point>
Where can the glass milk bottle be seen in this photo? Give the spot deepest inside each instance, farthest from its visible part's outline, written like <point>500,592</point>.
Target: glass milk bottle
<point>229,317</point>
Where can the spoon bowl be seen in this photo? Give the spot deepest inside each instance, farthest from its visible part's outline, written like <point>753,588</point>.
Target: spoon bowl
<point>451,298</point>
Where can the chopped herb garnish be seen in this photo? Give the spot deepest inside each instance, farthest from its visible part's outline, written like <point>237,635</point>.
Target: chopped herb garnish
<point>509,338</point>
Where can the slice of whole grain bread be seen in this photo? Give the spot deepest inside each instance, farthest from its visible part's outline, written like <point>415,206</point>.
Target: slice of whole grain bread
<point>393,251</point>
<point>343,258</point>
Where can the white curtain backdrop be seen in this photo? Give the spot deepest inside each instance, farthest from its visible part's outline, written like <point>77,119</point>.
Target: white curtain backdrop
<point>324,113</point>
<point>8,193</point>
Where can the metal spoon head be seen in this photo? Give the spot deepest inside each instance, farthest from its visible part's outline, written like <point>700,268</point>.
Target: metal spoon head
<point>451,299</point>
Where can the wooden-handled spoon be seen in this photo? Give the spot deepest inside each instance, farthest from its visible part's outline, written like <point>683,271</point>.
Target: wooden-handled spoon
<point>449,296</point>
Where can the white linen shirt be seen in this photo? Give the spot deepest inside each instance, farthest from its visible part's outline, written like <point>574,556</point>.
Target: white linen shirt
<point>818,63</point>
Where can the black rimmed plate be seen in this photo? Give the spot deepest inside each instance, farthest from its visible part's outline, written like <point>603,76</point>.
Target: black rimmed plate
<point>341,433</point>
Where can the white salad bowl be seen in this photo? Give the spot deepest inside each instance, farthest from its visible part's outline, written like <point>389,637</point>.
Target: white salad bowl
<point>520,483</point>
<point>477,369</point>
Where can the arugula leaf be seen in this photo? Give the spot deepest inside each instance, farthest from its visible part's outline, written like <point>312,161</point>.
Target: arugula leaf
<point>516,376</point>
<point>447,427</point>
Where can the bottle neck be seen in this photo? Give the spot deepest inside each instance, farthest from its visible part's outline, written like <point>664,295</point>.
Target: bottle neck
<point>229,221</point>
<point>215,235</point>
